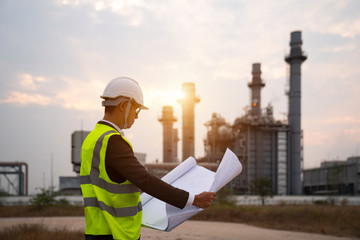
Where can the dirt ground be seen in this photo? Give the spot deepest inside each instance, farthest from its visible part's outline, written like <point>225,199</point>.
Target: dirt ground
<point>189,230</point>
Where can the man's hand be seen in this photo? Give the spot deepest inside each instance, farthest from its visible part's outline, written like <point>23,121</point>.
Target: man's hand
<point>204,199</point>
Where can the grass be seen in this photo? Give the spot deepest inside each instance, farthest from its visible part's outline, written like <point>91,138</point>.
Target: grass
<point>324,219</point>
<point>42,211</point>
<point>38,232</point>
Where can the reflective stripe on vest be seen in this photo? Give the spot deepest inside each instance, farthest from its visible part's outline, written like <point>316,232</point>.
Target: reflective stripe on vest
<point>95,180</point>
<point>110,187</point>
<point>116,212</point>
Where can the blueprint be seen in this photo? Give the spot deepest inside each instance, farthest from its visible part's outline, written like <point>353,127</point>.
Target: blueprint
<point>194,179</point>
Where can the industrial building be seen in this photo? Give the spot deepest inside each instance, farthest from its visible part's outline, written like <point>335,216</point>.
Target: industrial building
<point>334,177</point>
<point>266,147</point>
<point>260,142</point>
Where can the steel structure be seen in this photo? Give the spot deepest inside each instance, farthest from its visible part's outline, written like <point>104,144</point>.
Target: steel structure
<point>15,168</point>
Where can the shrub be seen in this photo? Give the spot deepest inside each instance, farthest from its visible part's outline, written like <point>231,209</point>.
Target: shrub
<point>46,197</point>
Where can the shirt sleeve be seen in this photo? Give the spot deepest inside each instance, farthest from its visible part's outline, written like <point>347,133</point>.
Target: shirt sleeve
<point>190,200</point>
<point>121,164</point>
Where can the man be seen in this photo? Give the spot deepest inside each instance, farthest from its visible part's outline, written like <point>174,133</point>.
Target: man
<point>111,177</point>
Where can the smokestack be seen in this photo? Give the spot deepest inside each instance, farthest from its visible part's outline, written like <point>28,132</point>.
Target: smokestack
<point>175,140</point>
<point>167,121</point>
<point>255,87</point>
<point>188,117</point>
<point>295,59</point>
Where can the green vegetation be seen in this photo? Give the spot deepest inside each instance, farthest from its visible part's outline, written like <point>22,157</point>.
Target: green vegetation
<point>224,197</point>
<point>46,197</point>
<point>262,186</point>
<point>3,193</point>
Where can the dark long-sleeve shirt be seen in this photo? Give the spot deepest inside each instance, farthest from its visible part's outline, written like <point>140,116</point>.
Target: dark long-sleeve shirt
<point>121,165</point>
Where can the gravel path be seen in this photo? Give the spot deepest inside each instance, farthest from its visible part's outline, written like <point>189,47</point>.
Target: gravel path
<point>189,230</point>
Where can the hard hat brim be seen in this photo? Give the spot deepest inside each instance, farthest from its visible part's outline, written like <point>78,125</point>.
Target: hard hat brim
<point>118,100</point>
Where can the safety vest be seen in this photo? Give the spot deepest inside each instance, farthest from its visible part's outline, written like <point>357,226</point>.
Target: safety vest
<point>110,208</point>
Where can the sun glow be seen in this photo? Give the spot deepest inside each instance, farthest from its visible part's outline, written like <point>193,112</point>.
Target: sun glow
<point>162,98</point>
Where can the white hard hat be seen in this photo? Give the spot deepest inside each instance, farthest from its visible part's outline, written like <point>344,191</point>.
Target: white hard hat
<point>122,87</point>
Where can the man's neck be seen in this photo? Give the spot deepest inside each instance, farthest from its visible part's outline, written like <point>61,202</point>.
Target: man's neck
<point>114,119</point>
<point>114,126</point>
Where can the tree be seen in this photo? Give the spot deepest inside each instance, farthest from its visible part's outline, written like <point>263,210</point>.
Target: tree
<point>262,186</point>
<point>45,198</point>
<point>224,197</point>
<point>334,182</point>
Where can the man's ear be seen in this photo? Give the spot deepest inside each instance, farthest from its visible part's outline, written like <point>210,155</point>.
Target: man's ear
<point>122,106</point>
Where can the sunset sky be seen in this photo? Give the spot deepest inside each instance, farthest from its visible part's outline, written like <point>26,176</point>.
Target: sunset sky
<point>57,56</point>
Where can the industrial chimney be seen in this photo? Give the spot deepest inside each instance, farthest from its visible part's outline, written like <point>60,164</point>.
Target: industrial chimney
<point>188,117</point>
<point>175,140</point>
<point>167,119</point>
<point>295,59</point>
<point>255,87</point>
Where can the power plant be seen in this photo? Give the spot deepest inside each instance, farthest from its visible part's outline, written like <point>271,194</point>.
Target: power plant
<point>266,147</point>
<point>258,140</point>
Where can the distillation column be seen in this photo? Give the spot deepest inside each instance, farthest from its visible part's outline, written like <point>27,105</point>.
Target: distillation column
<point>295,59</point>
<point>188,117</point>
<point>255,87</point>
<point>167,121</point>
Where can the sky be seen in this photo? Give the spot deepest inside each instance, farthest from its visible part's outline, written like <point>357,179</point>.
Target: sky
<point>56,57</point>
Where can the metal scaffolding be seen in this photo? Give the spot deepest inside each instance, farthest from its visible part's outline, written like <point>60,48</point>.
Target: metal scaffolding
<point>20,185</point>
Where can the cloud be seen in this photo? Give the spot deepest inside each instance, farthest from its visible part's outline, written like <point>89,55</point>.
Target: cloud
<point>31,82</point>
<point>341,48</point>
<point>156,98</point>
<point>333,137</point>
<point>332,17</point>
<point>21,98</point>
<point>128,9</point>
<point>348,29</point>
<point>79,95</point>
<point>343,120</point>
<point>62,91</point>
<point>318,138</point>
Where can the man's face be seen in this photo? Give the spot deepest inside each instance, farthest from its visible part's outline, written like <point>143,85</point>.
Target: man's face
<point>133,114</point>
